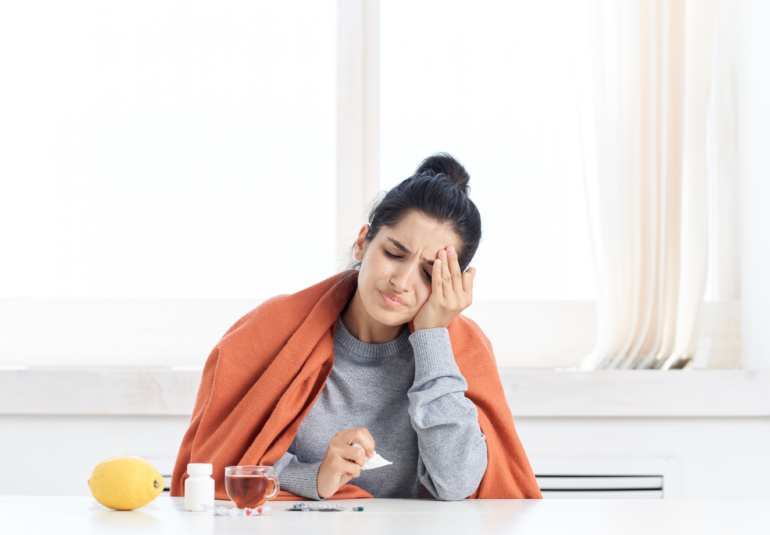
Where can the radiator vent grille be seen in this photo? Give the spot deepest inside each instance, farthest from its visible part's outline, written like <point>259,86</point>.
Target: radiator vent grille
<point>607,478</point>
<point>634,487</point>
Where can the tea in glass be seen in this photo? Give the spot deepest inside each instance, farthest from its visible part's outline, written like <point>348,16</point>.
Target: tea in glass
<point>251,486</point>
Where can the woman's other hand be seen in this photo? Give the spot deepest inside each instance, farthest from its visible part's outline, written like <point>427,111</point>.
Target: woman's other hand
<point>343,461</point>
<point>451,292</point>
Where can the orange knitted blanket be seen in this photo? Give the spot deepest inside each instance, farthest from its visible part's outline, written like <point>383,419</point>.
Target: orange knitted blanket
<point>267,371</point>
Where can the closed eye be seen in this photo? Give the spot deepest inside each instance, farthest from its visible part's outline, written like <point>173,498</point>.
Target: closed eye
<point>389,255</point>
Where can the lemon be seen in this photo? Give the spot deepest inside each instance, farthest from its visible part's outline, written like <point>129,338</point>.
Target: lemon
<point>125,482</point>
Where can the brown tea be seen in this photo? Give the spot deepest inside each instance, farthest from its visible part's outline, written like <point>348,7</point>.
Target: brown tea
<point>247,490</point>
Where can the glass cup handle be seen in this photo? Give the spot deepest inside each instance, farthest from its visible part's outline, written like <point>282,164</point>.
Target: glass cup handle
<point>277,487</point>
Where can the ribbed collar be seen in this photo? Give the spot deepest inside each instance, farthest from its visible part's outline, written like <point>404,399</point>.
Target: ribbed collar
<point>362,349</point>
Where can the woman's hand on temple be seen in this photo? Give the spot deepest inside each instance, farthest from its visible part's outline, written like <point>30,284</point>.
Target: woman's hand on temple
<point>343,461</point>
<point>451,292</point>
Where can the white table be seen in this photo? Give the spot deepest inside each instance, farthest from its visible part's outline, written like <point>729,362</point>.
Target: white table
<point>58,515</point>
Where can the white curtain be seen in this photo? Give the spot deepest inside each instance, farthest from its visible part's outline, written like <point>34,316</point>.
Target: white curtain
<point>643,73</point>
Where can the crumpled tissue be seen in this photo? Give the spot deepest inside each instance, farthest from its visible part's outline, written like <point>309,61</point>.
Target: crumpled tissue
<point>375,462</point>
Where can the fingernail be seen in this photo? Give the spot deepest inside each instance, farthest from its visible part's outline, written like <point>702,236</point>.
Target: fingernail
<point>442,253</point>
<point>451,249</point>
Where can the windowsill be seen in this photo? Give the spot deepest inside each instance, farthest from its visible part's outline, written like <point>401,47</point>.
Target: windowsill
<point>171,391</point>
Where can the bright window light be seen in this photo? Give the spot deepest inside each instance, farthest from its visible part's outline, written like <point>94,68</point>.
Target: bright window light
<point>166,149</point>
<point>492,84</point>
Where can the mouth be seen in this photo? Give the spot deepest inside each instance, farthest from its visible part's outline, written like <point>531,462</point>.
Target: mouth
<point>391,301</point>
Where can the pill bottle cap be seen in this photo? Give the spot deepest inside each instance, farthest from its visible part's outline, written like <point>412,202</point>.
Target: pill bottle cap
<point>200,469</point>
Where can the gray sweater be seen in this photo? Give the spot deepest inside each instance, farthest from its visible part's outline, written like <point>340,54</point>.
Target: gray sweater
<point>409,394</point>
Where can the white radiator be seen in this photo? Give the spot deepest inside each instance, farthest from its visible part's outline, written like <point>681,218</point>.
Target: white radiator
<point>620,478</point>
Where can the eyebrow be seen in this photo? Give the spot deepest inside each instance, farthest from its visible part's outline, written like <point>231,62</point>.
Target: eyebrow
<point>407,251</point>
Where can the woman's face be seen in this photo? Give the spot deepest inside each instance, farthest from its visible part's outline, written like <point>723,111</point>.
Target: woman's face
<point>394,281</point>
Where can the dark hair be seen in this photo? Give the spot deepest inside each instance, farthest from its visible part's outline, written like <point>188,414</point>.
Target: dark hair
<point>439,190</point>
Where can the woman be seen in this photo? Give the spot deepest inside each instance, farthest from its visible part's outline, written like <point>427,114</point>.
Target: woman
<point>378,355</point>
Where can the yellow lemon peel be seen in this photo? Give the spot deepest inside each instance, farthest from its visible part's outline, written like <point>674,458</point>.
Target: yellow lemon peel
<point>125,482</point>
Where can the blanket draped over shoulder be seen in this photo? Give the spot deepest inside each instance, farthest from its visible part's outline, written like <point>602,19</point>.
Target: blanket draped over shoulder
<point>265,374</point>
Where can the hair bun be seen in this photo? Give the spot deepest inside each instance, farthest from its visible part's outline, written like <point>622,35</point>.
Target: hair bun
<point>442,163</point>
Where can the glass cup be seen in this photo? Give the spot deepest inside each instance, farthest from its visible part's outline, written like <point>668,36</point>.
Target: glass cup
<point>251,486</point>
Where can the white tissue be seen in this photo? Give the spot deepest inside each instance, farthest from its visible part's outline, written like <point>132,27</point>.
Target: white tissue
<point>374,462</point>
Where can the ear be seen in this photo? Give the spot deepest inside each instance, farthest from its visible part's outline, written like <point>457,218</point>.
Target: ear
<point>358,253</point>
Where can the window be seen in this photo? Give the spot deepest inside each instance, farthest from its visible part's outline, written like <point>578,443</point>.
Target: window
<point>165,166</point>
<point>166,149</point>
<point>492,84</point>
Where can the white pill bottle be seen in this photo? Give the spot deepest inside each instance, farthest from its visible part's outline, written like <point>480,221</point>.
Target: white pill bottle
<point>199,488</point>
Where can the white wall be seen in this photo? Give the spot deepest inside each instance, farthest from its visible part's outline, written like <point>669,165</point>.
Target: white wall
<point>67,448</point>
<point>719,457</point>
<point>753,141</point>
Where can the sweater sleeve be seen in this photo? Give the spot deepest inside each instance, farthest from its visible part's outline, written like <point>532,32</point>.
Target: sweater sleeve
<point>296,477</point>
<point>453,450</point>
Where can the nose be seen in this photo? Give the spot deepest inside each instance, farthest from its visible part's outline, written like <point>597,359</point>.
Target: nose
<point>400,278</point>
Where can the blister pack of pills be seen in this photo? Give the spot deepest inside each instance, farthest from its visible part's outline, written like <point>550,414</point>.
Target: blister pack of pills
<point>319,507</point>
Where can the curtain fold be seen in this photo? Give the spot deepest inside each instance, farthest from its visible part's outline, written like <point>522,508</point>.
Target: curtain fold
<point>643,77</point>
